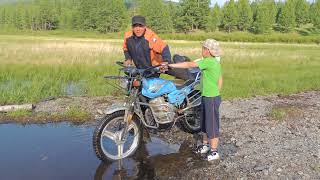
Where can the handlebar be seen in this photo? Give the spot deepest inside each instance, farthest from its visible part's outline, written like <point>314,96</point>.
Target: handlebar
<point>120,63</point>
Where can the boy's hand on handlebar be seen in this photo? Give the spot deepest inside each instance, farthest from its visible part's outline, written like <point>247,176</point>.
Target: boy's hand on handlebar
<point>164,67</point>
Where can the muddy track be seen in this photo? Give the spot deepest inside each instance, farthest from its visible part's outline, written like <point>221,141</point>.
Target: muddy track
<point>263,137</point>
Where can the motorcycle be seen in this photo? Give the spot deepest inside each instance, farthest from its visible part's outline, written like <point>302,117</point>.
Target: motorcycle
<point>150,103</point>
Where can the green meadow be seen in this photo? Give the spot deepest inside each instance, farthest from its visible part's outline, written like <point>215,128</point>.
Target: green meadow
<point>34,68</point>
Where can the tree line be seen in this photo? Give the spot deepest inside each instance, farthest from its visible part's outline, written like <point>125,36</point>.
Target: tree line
<point>258,16</point>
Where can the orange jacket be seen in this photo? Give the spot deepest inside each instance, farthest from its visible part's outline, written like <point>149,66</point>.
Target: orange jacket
<point>159,51</point>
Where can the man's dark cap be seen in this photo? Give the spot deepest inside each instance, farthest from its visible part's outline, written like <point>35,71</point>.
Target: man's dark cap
<point>138,20</point>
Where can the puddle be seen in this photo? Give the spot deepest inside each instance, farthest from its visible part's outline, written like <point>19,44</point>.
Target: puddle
<point>10,84</point>
<point>74,88</point>
<point>64,151</point>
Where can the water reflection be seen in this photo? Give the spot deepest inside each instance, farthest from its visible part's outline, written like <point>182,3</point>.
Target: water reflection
<point>64,151</point>
<point>144,166</point>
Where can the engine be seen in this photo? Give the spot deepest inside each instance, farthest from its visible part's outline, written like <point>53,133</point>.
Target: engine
<point>162,110</point>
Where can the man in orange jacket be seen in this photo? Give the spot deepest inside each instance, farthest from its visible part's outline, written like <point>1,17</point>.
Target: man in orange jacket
<point>143,47</point>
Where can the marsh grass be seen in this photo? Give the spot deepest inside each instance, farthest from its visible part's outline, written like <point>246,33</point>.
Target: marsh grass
<point>278,114</point>
<point>303,35</point>
<point>34,68</point>
<point>76,113</point>
<point>21,113</point>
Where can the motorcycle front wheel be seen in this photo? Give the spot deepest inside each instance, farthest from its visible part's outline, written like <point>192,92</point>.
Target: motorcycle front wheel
<point>107,141</point>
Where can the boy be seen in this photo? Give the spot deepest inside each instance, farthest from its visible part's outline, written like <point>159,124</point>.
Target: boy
<point>211,83</point>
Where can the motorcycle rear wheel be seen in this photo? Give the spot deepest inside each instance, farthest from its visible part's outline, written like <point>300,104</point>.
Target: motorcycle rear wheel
<point>191,122</point>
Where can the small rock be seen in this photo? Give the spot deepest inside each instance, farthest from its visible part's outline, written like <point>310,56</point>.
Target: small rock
<point>293,165</point>
<point>239,143</point>
<point>266,172</point>
<point>300,173</point>
<point>279,170</point>
<point>260,168</point>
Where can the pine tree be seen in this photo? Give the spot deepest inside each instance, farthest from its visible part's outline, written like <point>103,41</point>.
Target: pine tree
<point>86,17</point>
<point>287,16</point>
<point>272,11</point>
<point>279,7</point>
<point>245,15</point>
<point>2,16</point>
<point>48,17</point>
<point>194,14</point>
<point>202,13</point>
<point>301,12</point>
<point>156,14</point>
<point>111,16</point>
<point>315,14</point>
<point>18,17</point>
<point>262,19</point>
<point>173,14</point>
<point>27,19</point>
<point>187,15</point>
<point>214,19</point>
<point>254,9</point>
<point>230,16</point>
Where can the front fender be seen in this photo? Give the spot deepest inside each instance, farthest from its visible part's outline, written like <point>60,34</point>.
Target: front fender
<point>113,108</point>
<point>119,107</point>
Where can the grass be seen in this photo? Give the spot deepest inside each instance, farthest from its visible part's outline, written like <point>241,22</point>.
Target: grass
<point>21,113</point>
<point>284,112</point>
<point>37,67</point>
<point>306,34</point>
<point>278,114</point>
<point>73,114</point>
<point>76,113</point>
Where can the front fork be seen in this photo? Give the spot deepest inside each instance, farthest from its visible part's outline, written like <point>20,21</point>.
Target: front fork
<point>129,112</point>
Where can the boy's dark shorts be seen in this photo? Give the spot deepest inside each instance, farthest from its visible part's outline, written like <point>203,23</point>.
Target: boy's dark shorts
<point>209,116</point>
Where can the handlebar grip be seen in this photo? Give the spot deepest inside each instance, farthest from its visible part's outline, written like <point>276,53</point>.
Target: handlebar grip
<point>120,63</point>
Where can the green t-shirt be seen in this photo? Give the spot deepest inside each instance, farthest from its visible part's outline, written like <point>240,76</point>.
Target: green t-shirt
<point>210,74</point>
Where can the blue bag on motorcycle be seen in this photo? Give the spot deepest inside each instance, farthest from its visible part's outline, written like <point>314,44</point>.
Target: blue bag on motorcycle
<point>155,87</point>
<point>178,96</point>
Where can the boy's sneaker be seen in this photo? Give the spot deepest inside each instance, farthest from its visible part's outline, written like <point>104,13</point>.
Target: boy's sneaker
<point>202,149</point>
<point>212,155</point>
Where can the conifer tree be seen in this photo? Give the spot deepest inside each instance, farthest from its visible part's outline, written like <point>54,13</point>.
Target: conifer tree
<point>315,14</point>
<point>230,16</point>
<point>302,12</point>
<point>157,15</point>
<point>245,15</point>
<point>112,16</point>
<point>287,16</point>
<point>214,19</point>
<point>262,19</point>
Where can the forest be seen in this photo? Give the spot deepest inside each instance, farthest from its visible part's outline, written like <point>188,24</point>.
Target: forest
<point>108,16</point>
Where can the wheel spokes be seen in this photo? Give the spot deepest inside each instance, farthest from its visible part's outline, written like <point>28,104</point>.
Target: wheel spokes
<point>109,135</point>
<point>120,150</point>
<point>131,125</point>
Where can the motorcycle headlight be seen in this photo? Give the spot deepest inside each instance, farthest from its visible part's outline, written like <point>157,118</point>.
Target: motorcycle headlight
<point>124,83</point>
